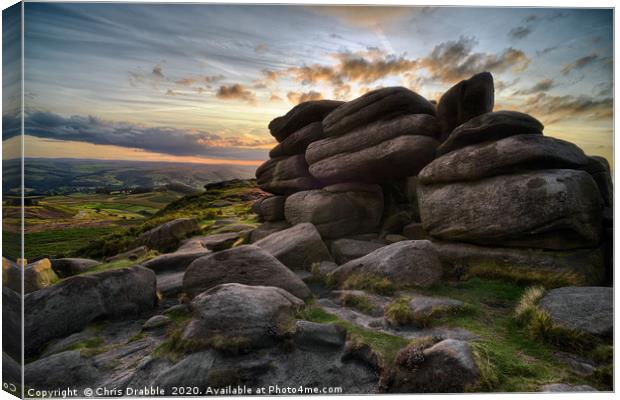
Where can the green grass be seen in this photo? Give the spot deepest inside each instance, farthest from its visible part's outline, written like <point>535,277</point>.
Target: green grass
<point>360,303</point>
<point>56,242</point>
<point>371,283</point>
<point>399,312</point>
<point>508,357</point>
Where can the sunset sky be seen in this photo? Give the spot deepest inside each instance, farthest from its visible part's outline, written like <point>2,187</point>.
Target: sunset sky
<point>201,82</point>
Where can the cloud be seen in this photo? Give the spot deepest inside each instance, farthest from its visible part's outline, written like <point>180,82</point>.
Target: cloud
<point>171,92</point>
<point>546,50</point>
<point>369,16</point>
<point>580,63</point>
<point>296,97</point>
<point>455,60</point>
<point>552,109</point>
<point>192,80</point>
<point>153,78</point>
<point>260,48</point>
<point>541,86</point>
<point>157,72</point>
<point>236,92</point>
<point>167,140</point>
<point>520,32</point>
<point>275,97</point>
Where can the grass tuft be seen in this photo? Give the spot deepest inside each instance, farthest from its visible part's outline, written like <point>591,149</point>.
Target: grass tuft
<point>375,284</point>
<point>399,312</point>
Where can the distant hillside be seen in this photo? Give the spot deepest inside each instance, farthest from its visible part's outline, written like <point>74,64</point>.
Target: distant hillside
<point>61,176</point>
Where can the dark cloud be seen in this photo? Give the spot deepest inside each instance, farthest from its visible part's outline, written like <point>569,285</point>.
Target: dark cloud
<point>546,50</point>
<point>236,92</point>
<point>296,97</point>
<point>541,86</point>
<point>455,60</point>
<point>157,72</point>
<point>173,141</point>
<point>11,125</point>
<point>552,109</point>
<point>520,32</point>
<point>581,63</point>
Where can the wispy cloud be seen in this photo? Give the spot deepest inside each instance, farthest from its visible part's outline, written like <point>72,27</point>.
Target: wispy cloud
<point>167,140</point>
<point>581,63</point>
<point>540,86</point>
<point>552,109</point>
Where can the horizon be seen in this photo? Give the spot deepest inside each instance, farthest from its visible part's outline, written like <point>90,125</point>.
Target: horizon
<point>179,83</point>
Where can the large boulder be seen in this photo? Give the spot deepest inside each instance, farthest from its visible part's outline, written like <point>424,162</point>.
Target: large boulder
<point>301,115</point>
<point>270,208</point>
<point>379,152</point>
<point>490,126</point>
<point>464,101</point>
<point>446,367</point>
<point>168,235</point>
<point>514,153</point>
<point>550,268</point>
<point>377,105</point>
<point>248,265</point>
<point>38,275</point>
<point>345,250</point>
<point>191,371</point>
<point>73,303</point>
<point>62,370</point>
<point>408,263</point>
<point>12,322</point>
<point>337,210</point>
<point>254,316</point>
<point>66,267</point>
<point>298,247</point>
<point>549,209</point>
<point>298,141</point>
<point>285,175</point>
<point>583,309</point>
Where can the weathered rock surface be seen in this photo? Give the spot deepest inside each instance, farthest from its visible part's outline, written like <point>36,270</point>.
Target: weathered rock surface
<point>406,263</point>
<point>270,208</point>
<point>157,321</point>
<point>600,170</point>
<point>285,175</point>
<point>345,250</point>
<point>551,209</point>
<point>248,265</point>
<point>168,235</point>
<point>255,315</point>
<point>191,371</point>
<point>415,231</point>
<point>377,105</point>
<point>583,309</point>
<point>337,210</point>
<point>177,261</point>
<point>298,142</point>
<point>11,275</point>
<point>38,275</point>
<point>490,126</point>
<point>11,323</point>
<point>60,371</point>
<point>65,267</point>
<point>464,101</point>
<point>267,229</point>
<point>446,367</point>
<point>514,153</point>
<point>574,267</point>
<point>297,247</point>
<point>301,115</point>
<point>382,151</point>
<point>70,305</point>
<point>314,336</point>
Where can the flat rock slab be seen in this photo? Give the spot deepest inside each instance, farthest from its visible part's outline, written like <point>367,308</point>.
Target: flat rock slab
<point>66,267</point>
<point>505,156</point>
<point>490,126</point>
<point>59,370</point>
<point>377,105</point>
<point>266,229</point>
<point>248,265</point>
<point>315,336</point>
<point>298,141</point>
<point>583,309</point>
<point>285,175</point>
<point>177,261</point>
<point>426,307</point>
<point>300,116</point>
<point>170,283</point>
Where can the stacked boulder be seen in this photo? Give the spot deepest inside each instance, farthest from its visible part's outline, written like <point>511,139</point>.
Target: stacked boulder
<point>333,171</point>
<point>498,183</point>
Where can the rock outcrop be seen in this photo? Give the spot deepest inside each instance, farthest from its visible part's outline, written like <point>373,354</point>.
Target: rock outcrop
<point>65,267</point>
<point>168,235</point>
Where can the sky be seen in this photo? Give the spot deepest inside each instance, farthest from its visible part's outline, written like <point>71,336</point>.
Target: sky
<point>201,82</point>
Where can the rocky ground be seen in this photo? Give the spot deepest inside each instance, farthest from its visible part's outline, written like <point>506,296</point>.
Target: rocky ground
<point>397,246</point>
